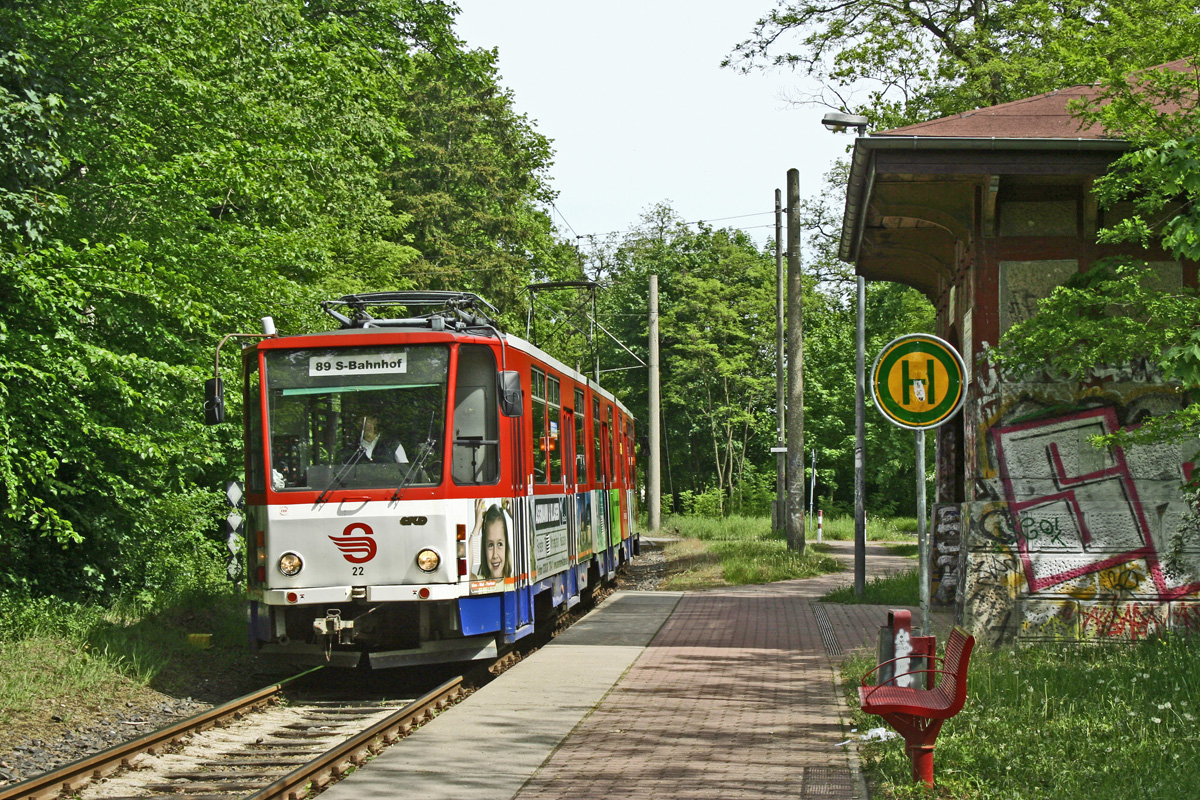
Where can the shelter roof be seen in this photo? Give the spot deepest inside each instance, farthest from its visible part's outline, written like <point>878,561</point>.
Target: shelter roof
<point>911,191</point>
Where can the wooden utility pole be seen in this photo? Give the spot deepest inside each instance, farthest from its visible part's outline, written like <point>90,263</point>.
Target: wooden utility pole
<point>779,507</point>
<point>795,352</point>
<point>654,479</point>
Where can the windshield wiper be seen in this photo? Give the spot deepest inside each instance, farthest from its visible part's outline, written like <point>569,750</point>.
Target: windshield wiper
<point>414,467</point>
<point>340,476</point>
<point>418,464</point>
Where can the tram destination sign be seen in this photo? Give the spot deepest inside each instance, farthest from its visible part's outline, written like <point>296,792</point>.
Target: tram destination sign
<point>917,381</point>
<point>372,364</point>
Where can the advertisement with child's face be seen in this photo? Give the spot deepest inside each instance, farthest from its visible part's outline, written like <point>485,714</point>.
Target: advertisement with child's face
<point>489,547</point>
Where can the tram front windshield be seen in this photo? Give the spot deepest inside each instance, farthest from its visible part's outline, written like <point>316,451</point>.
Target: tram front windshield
<point>357,417</point>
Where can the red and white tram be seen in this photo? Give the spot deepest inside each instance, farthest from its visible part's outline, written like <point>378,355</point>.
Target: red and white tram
<point>423,488</point>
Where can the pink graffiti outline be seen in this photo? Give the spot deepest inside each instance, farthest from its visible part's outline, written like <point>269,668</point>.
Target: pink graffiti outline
<point>1119,471</point>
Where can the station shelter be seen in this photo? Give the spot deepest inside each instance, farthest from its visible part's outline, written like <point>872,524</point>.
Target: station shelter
<point>1037,533</point>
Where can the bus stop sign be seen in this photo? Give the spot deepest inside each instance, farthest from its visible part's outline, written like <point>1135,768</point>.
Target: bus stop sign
<point>917,381</point>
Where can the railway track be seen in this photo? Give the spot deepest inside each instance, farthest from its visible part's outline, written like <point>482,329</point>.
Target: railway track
<point>253,747</point>
<point>264,747</point>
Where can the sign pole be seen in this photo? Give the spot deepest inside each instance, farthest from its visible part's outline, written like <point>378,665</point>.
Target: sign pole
<point>922,535</point>
<point>917,381</point>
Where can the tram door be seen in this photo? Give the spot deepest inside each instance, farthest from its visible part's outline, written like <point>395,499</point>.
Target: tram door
<point>612,531</point>
<point>518,611</point>
<point>612,490</point>
<point>569,485</point>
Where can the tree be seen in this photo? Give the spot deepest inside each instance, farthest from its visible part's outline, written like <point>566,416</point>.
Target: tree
<point>476,185</point>
<point>917,61</point>
<point>1116,313</point>
<point>716,308</point>
<point>717,322</point>
<point>173,172</point>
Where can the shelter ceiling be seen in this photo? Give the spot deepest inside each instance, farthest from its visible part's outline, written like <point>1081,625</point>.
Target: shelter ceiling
<point>911,227</point>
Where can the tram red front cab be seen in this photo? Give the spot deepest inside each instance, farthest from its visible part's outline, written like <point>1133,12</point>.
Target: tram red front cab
<point>424,488</point>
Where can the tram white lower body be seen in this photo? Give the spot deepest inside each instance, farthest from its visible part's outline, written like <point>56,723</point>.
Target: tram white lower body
<point>361,597</point>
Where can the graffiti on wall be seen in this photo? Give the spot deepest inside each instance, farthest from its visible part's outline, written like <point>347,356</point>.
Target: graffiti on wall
<point>1070,540</point>
<point>1078,510</point>
<point>947,536</point>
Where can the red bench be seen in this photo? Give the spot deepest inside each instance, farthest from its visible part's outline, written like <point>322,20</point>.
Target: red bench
<point>918,714</point>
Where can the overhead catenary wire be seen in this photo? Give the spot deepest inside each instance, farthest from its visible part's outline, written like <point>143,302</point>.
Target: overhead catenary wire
<point>693,222</point>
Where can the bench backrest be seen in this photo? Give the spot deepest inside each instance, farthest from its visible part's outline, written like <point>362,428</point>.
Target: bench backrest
<point>952,689</point>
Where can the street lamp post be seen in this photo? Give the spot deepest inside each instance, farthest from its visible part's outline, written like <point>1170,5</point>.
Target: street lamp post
<point>838,122</point>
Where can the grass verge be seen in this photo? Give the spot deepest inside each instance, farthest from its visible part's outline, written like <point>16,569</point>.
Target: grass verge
<point>66,663</point>
<point>899,589</point>
<point>733,551</point>
<point>879,529</point>
<point>1057,721</point>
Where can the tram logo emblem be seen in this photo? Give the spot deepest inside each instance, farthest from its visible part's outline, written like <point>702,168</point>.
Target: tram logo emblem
<point>356,549</point>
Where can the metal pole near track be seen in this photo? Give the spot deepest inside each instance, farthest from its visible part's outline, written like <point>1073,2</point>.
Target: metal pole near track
<point>922,535</point>
<point>860,444</point>
<point>654,479</point>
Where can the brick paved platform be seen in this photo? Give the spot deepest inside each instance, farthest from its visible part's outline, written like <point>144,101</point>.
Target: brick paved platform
<point>735,698</point>
<point>726,693</point>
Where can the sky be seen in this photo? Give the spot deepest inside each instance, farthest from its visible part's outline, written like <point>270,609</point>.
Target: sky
<point>633,96</point>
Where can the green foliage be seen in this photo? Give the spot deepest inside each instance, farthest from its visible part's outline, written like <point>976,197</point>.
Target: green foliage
<point>61,651</point>
<point>475,185</point>
<point>712,528</point>
<point>1108,315</point>
<point>171,172</point>
<point>1113,314</point>
<point>717,327</point>
<point>1155,110</point>
<point>717,324</point>
<point>1106,718</point>
<point>1118,312</point>
<point>840,527</point>
<point>899,64</point>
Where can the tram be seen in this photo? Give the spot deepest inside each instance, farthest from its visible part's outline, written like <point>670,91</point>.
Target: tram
<point>421,487</point>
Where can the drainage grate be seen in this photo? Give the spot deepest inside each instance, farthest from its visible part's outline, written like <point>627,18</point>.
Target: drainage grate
<point>832,648</point>
<point>828,782</point>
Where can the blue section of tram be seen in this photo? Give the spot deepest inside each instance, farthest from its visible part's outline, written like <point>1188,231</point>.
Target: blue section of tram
<point>512,611</point>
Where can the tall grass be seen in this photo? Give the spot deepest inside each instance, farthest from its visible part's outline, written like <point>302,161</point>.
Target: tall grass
<point>879,529</point>
<point>52,648</point>
<point>1058,721</point>
<point>734,551</point>
<point>899,589</point>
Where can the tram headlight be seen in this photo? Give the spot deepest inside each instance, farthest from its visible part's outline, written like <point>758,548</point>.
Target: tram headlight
<point>428,560</point>
<point>290,564</point>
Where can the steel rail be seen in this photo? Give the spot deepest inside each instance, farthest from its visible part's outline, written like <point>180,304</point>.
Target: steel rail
<point>74,776</point>
<point>356,750</point>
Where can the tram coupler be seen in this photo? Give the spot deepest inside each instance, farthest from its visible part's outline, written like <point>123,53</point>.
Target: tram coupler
<point>332,627</point>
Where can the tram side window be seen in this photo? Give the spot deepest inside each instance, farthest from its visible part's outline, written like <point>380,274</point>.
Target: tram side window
<point>614,452</point>
<point>256,473</point>
<point>632,457</point>
<point>597,452</point>
<point>537,428</point>
<point>580,441</point>
<point>476,422</point>
<point>553,421</point>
